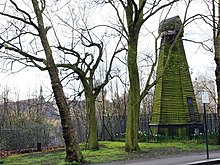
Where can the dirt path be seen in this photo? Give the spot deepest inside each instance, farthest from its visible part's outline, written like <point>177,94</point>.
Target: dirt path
<point>153,154</point>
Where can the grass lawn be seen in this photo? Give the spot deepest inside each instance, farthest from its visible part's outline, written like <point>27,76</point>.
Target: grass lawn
<point>109,151</point>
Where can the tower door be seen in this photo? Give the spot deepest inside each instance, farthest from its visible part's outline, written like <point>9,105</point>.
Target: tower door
<point>191,109</point>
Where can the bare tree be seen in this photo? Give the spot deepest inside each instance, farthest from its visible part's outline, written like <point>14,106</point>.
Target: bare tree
<point>94,46</point>
<point>28,24</point>
<point>208,84</point>
<point>212,19</point>
<point>136,15</point>
<point>75,63</point>
<point>85,69</point>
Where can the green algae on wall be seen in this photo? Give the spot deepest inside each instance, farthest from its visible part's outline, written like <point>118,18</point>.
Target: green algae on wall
<point>174,106</point>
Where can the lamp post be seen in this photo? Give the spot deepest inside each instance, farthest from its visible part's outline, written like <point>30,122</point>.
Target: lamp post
<point>205,100</point>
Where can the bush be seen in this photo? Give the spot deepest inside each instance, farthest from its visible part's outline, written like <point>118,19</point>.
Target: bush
<point>212,138</point>
<point>143,136</point>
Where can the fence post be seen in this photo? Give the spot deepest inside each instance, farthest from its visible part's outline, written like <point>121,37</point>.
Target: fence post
<point>39,147</point>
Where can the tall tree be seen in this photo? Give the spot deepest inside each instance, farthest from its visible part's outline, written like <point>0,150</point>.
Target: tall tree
<point>137,13</point>
<point>84,64</point>
<point>216,36</point>
<point>85,68</point>
<point>80,55</point>
<point>23,23</point>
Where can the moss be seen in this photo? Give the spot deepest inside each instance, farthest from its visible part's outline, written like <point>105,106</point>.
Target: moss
<point>92,122</point>
<point>170,24</point>
<point>170,99</point>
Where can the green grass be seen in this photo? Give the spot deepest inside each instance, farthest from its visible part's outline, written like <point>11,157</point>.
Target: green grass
<point>109,151</point>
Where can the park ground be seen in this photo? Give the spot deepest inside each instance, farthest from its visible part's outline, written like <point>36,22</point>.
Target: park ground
<point>112,152</point>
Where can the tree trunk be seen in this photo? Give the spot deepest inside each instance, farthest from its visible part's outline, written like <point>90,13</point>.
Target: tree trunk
<point>69,134</point>
<point>72,148</point>
<point>218,95</point>
<point>217,74</point>
<point>131,141</point>
<point>92,122</point>
<point>216,36</point>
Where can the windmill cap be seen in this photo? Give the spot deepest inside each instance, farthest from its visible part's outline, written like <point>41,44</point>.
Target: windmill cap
<point>170,26</point>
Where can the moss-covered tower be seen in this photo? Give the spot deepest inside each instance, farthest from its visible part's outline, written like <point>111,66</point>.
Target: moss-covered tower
<point>174,108</point>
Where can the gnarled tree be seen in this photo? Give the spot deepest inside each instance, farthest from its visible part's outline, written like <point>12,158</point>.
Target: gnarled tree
<point>85,69</point>
<point>77,48</point>
<point>25,23</point>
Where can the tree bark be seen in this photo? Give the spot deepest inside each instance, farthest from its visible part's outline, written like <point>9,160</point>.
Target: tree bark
<point>217,74</point>
<point>216,36</point>
<point>135,18</point>
<point>69,134</point>
<point>131,141</point>
<point>92,122</point>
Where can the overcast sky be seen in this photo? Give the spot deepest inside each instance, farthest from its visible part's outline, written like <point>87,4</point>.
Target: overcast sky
<point>200,61</point>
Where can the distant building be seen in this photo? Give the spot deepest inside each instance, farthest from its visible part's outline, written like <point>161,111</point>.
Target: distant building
<point>200,84</point>
<point>30,108</point>
<point>26,123</point>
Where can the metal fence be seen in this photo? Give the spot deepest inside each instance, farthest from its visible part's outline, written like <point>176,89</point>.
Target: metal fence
<point>29,137</point>
<point>109,128</point>
<point>114,126</point>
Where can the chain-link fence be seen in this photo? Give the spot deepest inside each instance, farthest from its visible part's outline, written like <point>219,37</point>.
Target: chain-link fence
<point>109,128</point>
<point>30,137</point>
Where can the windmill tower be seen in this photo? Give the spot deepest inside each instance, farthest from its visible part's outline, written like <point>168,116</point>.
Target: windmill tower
<point>174,108</point>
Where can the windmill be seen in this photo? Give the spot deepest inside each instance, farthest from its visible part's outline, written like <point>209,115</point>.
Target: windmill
<point>175,110</point>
